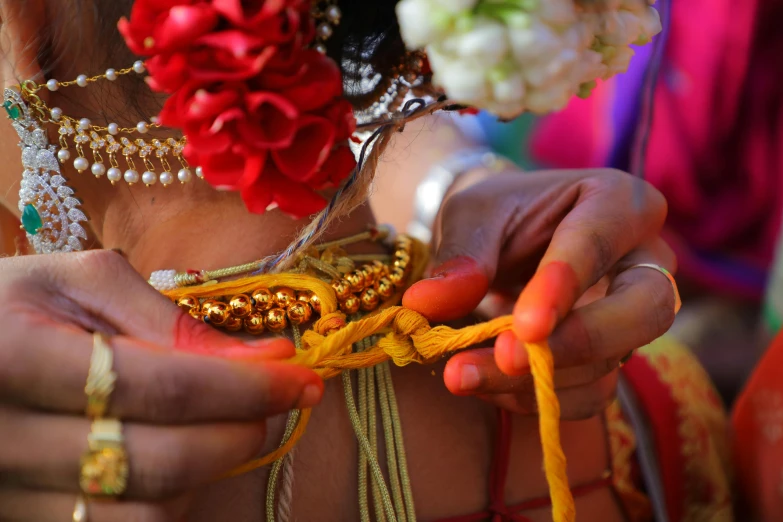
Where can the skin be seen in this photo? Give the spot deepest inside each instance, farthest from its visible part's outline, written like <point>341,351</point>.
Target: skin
<point>194,406</point>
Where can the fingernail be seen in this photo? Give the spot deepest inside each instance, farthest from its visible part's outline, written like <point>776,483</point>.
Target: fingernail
<point>311,395</point>
<point>469,377</point>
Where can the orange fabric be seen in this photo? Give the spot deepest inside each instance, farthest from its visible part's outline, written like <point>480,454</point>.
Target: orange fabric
<point>758,437</point>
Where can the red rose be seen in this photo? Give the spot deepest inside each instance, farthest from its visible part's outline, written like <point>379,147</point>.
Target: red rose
<point>222,56</point>
<point>279,20</point>
<point>262,112</point>
<point>157,26</point>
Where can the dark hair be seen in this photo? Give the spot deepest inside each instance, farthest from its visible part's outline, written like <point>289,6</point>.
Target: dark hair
<point>367,39</point>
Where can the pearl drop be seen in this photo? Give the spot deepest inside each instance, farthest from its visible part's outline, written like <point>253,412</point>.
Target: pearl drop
<point>81,164</point>
<point>113,129</point>
<point>63,154</point>
<point>57,113</point>
<point>184,175</point>
<point>98,169</point>
<point>142,127</point>
<point>52,85</point>
<point>166,178</point>
<point>321,48</point>
<point>333,14</point>
<point>81,80</point>
<point>111,74</point>
<point>84,124</point>
<point>149,178</point>
<point>138,66</point>
<point>154,119</point>
<point>200,172</point>
<point>131,176</point>
<point>114,174</point>
<point>324,30</point>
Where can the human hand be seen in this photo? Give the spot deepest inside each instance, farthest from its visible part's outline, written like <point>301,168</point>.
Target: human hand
<point>548,237</point>
<point>193,408</point>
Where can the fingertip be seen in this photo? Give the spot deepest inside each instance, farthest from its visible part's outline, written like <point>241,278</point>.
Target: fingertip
<point>550,294</point>
<point>511,355</point>
<point>534,324</point>
<point>453,291</point>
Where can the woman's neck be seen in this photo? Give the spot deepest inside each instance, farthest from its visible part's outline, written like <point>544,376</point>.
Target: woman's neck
<point>206,233</point>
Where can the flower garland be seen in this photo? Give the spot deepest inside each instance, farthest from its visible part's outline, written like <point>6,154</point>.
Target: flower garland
<point>262,111</point>
<point>515,55</point>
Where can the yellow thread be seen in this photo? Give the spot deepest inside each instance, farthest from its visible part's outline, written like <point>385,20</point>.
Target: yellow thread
<point>405,337</point>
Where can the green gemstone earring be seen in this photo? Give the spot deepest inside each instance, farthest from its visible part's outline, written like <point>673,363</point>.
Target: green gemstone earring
<point>51,215</point>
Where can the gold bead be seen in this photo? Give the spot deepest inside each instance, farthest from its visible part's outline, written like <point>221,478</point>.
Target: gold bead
<point>206,305</point>
<point>275,320</point>
<point>350,305</point>
<point>195,313</point>
<point>343,289</point>
<point>384,287</point>
<point>254,323</point>
<point>299,312</point>
<point>356,280</point>
<point>397,277</point>
<point>217,314</point>
<point>369,275</point>
<point>315,303</point>
<point>264,300</point>
<point>401,260</point>
<point>233,324</point>
<point>404,243</point>
<point>370,300</point>
<point>241,305</point>
<point>284,297</point>
<point>380,269</point>
<point>311,299</point>
<point>188,303</point>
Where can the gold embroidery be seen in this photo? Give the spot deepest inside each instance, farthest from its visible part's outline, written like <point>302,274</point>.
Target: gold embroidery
<point>703,430</point>
<point>622,443</point>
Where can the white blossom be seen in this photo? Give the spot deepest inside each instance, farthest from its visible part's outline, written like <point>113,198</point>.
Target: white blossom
<point>517,55</point>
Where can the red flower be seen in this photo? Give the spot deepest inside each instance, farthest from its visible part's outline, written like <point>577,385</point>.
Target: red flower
<point>262,112</point>
<point>158,26</point>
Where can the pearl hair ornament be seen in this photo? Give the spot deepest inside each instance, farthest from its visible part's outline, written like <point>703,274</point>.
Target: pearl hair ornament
<point>112,139</point>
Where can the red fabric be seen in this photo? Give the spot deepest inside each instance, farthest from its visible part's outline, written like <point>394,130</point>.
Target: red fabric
<point>660,407</point>
<point>757,422</point>
<point>498,510</point>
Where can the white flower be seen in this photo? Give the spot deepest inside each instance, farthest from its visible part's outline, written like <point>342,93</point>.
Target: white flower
<point>421,22</point>
<point>517,55</point>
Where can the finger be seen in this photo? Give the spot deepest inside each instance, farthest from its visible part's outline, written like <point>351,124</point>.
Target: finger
<point>474,372</point>
<point>611,216</point>
<point>99,290</point>
<point>577,403</point>
<point>36,506</point>
<point>639,308</point>
<point>43,452</point>
<point>153,384</point>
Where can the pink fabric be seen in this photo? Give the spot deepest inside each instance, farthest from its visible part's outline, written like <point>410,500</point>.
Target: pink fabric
<point>716,143</point>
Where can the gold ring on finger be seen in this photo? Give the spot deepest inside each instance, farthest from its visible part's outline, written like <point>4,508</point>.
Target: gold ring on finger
<point>104,466</point>
<point>101,378</point>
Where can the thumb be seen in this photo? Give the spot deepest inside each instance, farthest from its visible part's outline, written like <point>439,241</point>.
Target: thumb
<point>465,264</point>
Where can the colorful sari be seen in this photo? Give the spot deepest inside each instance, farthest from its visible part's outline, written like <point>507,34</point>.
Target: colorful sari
<point>670,422</point>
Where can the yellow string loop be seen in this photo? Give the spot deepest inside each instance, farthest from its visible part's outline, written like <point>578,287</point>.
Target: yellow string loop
<point>406,337</point>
